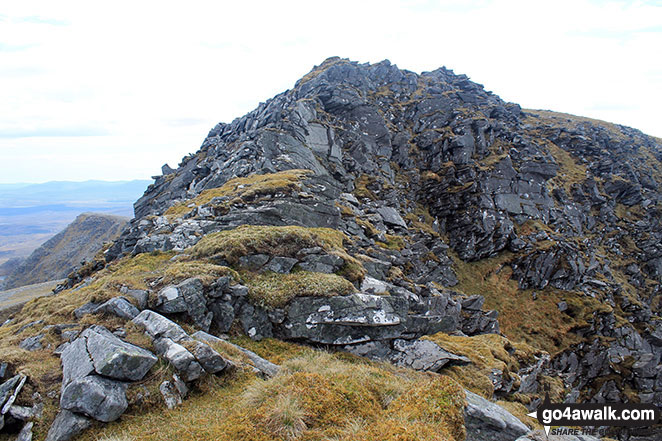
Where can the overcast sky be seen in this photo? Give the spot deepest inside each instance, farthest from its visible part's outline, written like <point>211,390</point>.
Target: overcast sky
<point>112,90</point>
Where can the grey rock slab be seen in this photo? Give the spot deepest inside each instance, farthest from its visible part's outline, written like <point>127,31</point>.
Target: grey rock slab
<point>97,397</point>
<point>3,370</point>
<point>87,308</point>
<point>158,326</point>
<point>114,358</point>
<point>67,425</point>
<point>487,421</point>
<point>169,300</point>
<point>181,359</point>
<point>344,320</point>
<point>32,343</point>
<point>140,295</point>
<point>391,216</point>
<point>210,360</point>
<point>266,367</point>
<point>76,362</point>
<point>280,264</point>
<point>423,355</point>
<point>119,307</point>
<point>373,286</point>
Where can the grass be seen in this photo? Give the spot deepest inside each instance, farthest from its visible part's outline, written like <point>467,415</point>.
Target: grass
<point>522,319</point>
<point>486,352</point>
<point>274,290</point>
<point>572,122</point>
<point>241,190</point>
<point>316,396</point>
<point>230,245</point>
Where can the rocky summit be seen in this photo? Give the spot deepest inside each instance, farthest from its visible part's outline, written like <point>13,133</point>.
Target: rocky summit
<point>373,254</point>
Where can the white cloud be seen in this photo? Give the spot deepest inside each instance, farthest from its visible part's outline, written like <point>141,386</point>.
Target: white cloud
<point>151,78</point>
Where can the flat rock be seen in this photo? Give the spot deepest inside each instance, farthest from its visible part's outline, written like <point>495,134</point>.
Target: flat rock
<point>391,216</point>
<point>423,355</point>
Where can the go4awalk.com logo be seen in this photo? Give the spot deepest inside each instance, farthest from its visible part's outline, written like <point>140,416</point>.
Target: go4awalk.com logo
<point>596,414</point>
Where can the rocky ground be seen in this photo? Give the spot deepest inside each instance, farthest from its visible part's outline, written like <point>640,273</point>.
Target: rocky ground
<point>412,219</point>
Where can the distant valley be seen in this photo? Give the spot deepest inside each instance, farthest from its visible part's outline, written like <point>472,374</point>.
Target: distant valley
<point>30,214</point>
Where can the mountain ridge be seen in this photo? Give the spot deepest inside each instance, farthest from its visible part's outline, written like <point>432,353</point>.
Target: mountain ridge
<point>379,215</point>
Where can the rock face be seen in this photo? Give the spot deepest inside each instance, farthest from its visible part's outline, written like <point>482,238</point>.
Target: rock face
<point>437,182</point>
<point>486,421</point>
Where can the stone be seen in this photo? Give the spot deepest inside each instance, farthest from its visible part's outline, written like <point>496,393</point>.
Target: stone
<point>32,343</point>
<point>280,264</point>
<point>3,370</point>
<point>181,359</point>
<point>423,355</point>
<point>373,286</point>
<point>188,296</point>
<point>343,320</point>
<point>267,368</point>
<point>25,413</point>
<point>9,392</point>
<point>141,296</point>
<point>158,326</point>
<point>255,322</point>
<point>210,360</point>
<point>486,421</point>
<point>119,307</point>
<point>97,397</point>
<point>87,308</point>
<point>391,216</point>
<point>170,394</point>
<point>114,358</point>
<point>67,425</point>
<point>254,261</point>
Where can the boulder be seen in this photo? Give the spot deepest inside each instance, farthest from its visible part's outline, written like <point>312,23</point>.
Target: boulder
<point>114,358</point>
<point>391,216</point>
<point>486,421</point>
<point>188,297</point>
<point>26,432</point>
<point>119,307</point>
<point>157,326</point>
<point>32,343</point>
<point>181,359</point>
<point>267,368</point>
<point>100,351</point>
<point>67,425</point>
<point>97,397</point>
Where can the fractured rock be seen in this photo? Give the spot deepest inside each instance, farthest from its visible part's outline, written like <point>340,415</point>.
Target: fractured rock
<point>97,397</point>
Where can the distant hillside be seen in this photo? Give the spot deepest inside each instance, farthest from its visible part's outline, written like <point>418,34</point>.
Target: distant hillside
<point>30,214</point>
<point>56,258</point>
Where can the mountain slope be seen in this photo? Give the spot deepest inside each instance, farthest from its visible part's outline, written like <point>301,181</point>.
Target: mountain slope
<point>61,254</point>
<point>438,181</point>
<point>411,219</point>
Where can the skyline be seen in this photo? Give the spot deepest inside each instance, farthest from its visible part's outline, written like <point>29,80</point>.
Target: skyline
<point>113,92</point>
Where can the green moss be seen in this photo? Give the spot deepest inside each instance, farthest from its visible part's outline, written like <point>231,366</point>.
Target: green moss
<point>274,290</point>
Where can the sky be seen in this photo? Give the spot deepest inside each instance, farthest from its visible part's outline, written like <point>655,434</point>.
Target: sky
<point>113,90</point>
